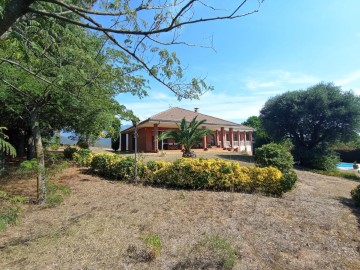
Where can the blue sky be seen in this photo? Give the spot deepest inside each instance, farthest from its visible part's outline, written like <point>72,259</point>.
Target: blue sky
<point>288,45</point>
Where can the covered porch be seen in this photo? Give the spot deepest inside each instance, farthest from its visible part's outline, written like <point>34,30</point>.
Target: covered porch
<point>229,138</point>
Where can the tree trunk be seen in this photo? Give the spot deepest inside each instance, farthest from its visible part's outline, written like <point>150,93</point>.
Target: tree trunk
<point>31,148</point>
<point>13,10</point>
<point>39,150</point>
<point>20,146</point>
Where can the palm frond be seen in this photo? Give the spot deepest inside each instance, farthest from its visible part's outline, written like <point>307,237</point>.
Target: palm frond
<point>4,145</point>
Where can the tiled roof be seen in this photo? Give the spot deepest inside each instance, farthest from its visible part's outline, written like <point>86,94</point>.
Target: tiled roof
<point>176,114</point>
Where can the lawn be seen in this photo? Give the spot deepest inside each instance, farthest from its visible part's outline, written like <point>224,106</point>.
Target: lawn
<point>113,225</point>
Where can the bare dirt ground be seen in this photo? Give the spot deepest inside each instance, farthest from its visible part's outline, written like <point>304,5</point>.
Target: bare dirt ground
<point>102,222</point>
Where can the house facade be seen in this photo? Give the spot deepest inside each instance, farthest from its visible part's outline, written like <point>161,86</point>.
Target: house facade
<point>226,135</point>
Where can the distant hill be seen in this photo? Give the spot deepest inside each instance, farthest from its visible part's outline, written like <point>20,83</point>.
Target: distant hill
<point>103,142</point>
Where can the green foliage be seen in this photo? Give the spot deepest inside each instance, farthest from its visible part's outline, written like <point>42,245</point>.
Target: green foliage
<point>187,134</point>
<point>116,167</point>
<point>278,156</point>
<point>288,180</point>
<point>10,209</point>
<point>214,174</point>
<point>29,167</point>
<point>69,152</point>
<point>275,155</point>
<point>355,195</point>
<point>4,145</point>
<point>114,134</point>
<point>260,136</point>
<point>212,252</point>
<point>83,157</point>
<point>193,174</point>
<point>115,144</point>
<point>322,160</point>
<point>83,144</point>
<point>314,120</point>
<point>55,193</point>
<point>153,242</point>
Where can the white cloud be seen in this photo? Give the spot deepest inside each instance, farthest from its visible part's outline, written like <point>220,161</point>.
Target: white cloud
<point>279,79</point>
<point>352,77</point>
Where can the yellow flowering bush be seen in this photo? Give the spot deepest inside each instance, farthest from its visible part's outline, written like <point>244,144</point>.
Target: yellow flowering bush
<point>214,174</point>
<point>192,173</point>
<point>83,157</point>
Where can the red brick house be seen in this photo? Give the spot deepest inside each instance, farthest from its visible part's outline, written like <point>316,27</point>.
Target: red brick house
<point>227,135</point>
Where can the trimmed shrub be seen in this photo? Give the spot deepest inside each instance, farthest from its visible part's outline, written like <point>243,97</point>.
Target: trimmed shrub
<point>83,157</point>
<point>355,194</point>
<point>116,167</point>
<point>278,156</point>
<point>274,155</point>
<point>69,152</point>
<point>214,174</point>
<point>288,180</point>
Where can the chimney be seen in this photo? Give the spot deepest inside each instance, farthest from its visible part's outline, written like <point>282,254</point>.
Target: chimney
<point>196,110</point>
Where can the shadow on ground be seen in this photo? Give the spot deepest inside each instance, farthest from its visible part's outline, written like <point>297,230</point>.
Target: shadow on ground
<point>249,159</point>
<point>355,210</point>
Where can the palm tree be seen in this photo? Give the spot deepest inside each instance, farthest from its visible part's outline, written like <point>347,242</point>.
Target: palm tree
<point>188,134</point>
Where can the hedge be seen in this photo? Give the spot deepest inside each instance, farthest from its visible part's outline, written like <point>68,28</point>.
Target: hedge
<point>192,173</point>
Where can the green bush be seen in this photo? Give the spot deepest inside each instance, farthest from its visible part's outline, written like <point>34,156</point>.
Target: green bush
<point>278,156</point>
<point>212,174</point>
<point>83,157</point>
<point>212,252</point>
<point>274,155</point>
<point>355,194</point>
<point>153,242</point>
<point>10,209</point>
<point>55,193</point>
<point>324,161</point>
<point>69,152</point>
<point>288,180</point>
<point>116,167</point>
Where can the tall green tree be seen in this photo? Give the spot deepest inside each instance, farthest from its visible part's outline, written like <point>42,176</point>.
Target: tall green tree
<point>313,119</point>
<point>260,135</point>
<point>188,134</point>
<point>54,76</point>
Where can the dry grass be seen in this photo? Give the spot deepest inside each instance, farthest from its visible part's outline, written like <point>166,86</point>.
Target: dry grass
<point>103,223</point>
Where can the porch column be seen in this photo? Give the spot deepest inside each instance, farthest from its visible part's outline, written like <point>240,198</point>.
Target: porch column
<point>222,137</point>
<point>123,142</point>
<point>250,140</point>
<point>231,134</point>
<point>130,141</point>
<point>216,138</point>
<point>204,143</point>
<point>244,134</point>
<point>155,138</point>
<point>238,139</point>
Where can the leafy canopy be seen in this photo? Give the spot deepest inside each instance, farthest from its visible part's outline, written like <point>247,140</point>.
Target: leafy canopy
<point>313,119</point>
